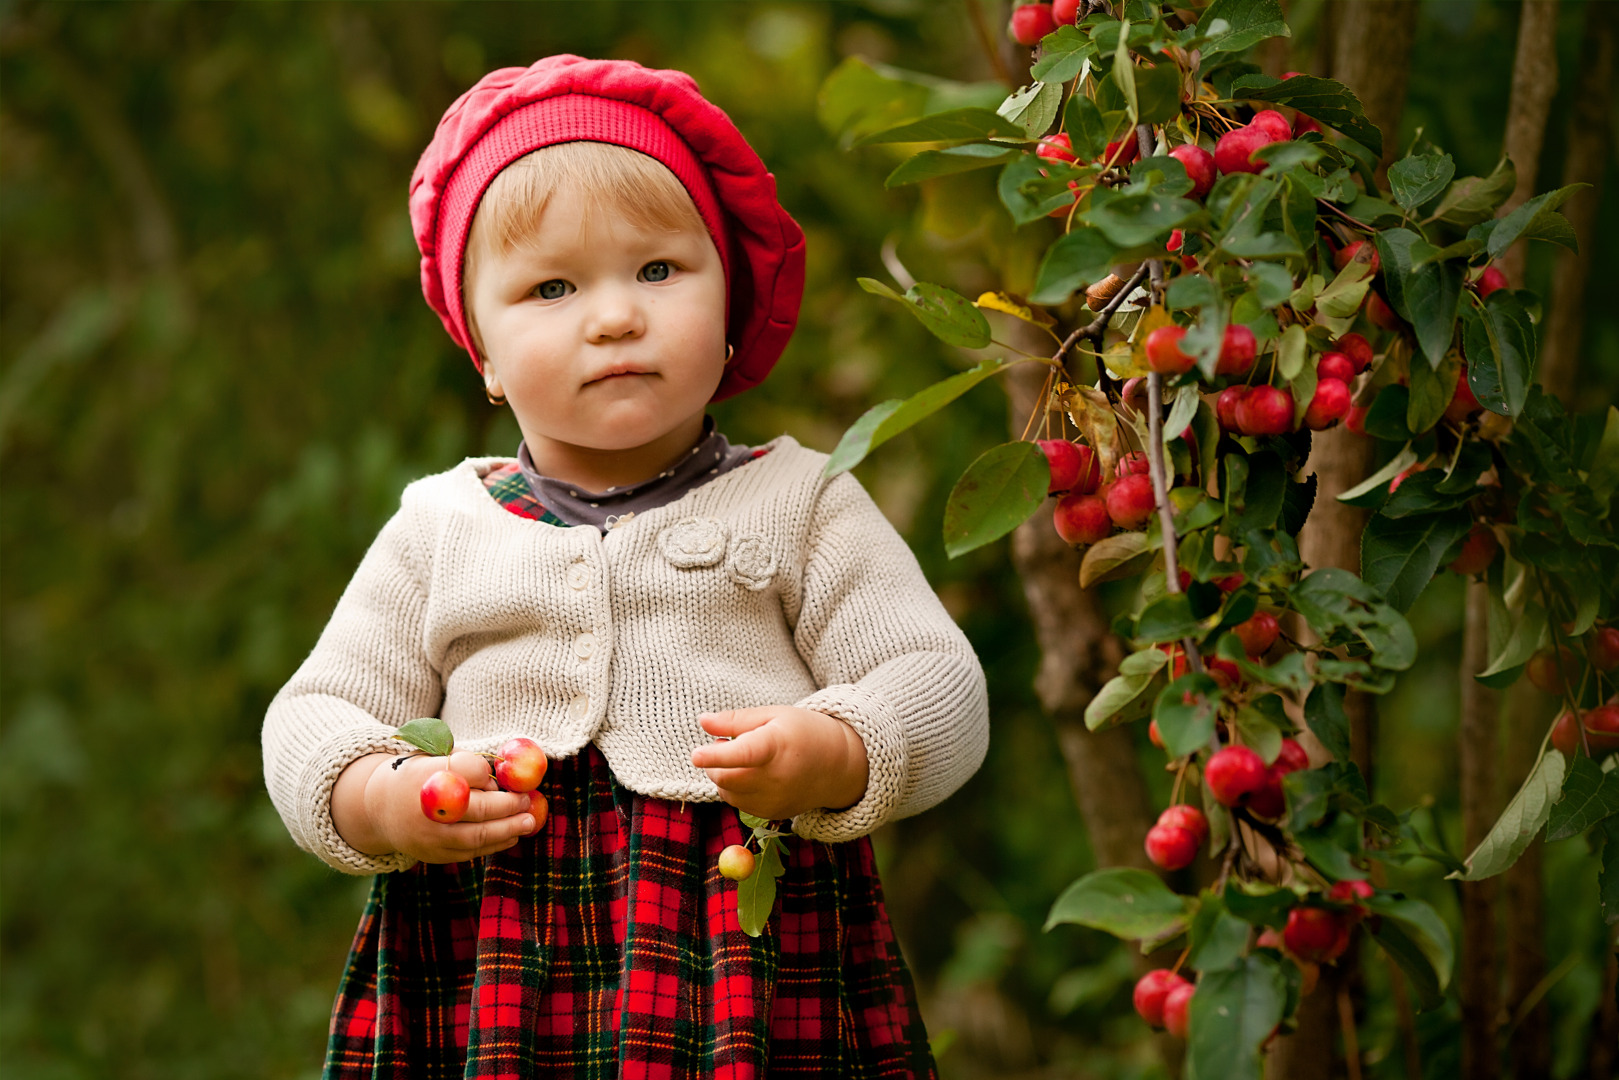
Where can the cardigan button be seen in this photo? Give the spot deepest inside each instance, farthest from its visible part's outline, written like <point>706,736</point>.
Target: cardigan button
<point>578,576</point>
<point>579,707</point>
<point>584,646</point>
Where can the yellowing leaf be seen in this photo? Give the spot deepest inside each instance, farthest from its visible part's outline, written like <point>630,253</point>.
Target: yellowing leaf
<point>1088,408</point>
<point>1013,306</point>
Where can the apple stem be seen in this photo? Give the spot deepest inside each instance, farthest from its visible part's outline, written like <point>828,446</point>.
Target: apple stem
<point>1097,326</point>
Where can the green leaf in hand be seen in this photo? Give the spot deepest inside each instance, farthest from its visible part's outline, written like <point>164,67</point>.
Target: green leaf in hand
<point>428,733</point>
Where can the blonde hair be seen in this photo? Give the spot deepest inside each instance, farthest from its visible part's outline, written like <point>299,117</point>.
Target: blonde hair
<point>636,188</point>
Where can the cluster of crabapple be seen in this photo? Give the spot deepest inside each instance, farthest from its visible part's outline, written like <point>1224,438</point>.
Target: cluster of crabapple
<point>519,766</point>
<point>1558,672</point>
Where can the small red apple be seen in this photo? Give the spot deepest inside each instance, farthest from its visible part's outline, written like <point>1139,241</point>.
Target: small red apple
<point>1164,351</point>
<point>1478,552</point>
<point>1291,758</point>
<point>1348,252</point>
<point>1315,934</point>
<point>1462,402</point>
<point>1233,153</point>
<point>1171,847</point>
<point>1329,405</point>
<point>1602,728</point>
<point>1266,410</point>
<point>540,807</point>
<point>1356,420</point>
<point>1177,1010</point>
<point>1231,582</point>
<point>1603,648</point>
<point>736,863</point>
<point>521,766</point>
<point>1234,774</point>
<point>1182,816</point>
<point>1225,407</point>
<point>1065,461</point>
<point>445,795</point>
<point>1258,633</point>
<point>1357,348</point>
<point>1303,125</point>
<point>1065,12</point>
<point>1056,147</point>
<point>1543,670</point>
<point>1031,22</point>
<point>1150,992</point>
<point>1491,280</point>
<point>1236,351</point>
<point>1199,165</point>
<point>1130,502</point>
<point>1336,365</point>
<point>1081,518</point>
<point>1135,463</point>
<point>1379,312</point>
<point>1273,124</point>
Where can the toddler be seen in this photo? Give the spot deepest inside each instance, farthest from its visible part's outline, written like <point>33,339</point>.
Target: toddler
<point>689,628</point>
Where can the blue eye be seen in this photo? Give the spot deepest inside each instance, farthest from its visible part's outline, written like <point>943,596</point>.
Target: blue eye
<point>655,271</point>
<point>555,289</point>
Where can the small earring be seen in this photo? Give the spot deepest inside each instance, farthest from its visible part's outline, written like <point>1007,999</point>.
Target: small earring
<point>491,390</point>
<point>730,351</point>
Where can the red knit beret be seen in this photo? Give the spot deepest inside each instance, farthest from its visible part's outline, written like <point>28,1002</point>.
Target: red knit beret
<point>513,111</point>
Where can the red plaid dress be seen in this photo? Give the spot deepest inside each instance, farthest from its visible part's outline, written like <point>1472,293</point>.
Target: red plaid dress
<point>608,946</point>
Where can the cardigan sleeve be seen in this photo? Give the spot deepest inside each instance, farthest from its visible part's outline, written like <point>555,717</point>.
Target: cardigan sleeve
<point>891,663</point>
<point>366,676</point>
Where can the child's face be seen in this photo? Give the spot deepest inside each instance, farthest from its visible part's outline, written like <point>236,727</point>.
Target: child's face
<point>606,337</point>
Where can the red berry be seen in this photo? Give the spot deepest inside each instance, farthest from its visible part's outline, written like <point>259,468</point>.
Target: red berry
<point>1266,410</point>
<point>1357,348</point>
<point>1176,241</point>
<point>1379,312</point>
<point>1313,934</point>
<point>1566,735</point>
<point>1177,659</point>
<point>1182,816</point>
<point>1291,758</point>
<point>1122,152</point>
<point>1225,407</point>
<point>1542,670</point>
<point>1336,365</point>
<point>521,766</point>
<point>1082,518</point>
<point>1462,402</point>
<point>1154,736</point>
<point>1478,552</point>
<point>1356,420</point>
<point>1135,463</point>
<point>1199,165</point>
<point>1273,124</point>
<point>1065,12</point>
<point>1236,351</point>
<point>1269,801</point>
<point>1164,351</point>
<point>1065,461</point>
<point>1348,252</point>
<point>1171,847</point>
<point>1223,672</point>
<point>540,808</point>
<point>1233,153</point>
<point>1602,728</point>
<point>1150,992</point>
<point>1031,22</point>
<point>1234,774</point>
<point>1177,1010</point>
<point>1231,582</point>
<point>1491,280</point>
<point>1303,125</point>
<point>1603,648</point>
<point>445,795</point>
<point>1258,633</point>
<point>1399,477</point>
<point>1329,405</point>
<point>1130,502</point>
<point>1350,890</point>
<point>1056,148</point>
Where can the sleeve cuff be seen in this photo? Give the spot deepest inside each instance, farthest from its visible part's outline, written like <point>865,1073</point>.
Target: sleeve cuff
<point>879,729</point>
<point>321,837</point>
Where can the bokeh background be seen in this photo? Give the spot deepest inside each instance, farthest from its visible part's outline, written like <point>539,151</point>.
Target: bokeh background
<point>217,373</point>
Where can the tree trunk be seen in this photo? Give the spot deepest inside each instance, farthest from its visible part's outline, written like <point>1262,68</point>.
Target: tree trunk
<point>1588,144</point>
<point>1371,56</point>
<point>1479,759</point>
<point>1530,1050</point>
<point>1534,83</point>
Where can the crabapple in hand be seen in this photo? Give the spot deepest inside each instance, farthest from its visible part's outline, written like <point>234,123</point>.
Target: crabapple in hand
<point>445,795</point>
<point>521,766</point>
<point>378,808</point>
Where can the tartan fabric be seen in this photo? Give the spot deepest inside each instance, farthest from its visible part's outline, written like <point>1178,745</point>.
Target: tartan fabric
<point>509,487</point>
<point>608,946</point>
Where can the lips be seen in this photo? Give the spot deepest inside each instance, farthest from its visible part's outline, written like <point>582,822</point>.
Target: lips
<point>616,371</point>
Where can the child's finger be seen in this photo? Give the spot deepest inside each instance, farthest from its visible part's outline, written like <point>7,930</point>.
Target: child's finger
<point>496,805</point>
<point>475,769</point>
<point>733,722</point>
<point>750,751</point>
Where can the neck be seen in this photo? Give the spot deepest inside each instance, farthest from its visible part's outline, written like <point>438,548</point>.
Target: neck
<point>591,469</point>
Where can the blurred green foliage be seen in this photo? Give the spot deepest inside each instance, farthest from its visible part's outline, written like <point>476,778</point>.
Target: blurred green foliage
<point>217,373</point>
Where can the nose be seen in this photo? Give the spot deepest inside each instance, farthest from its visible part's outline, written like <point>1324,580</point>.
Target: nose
<point>615,313</point>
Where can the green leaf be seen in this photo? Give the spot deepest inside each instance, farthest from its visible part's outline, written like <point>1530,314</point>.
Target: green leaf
<point>1133,217</point>
<point>1087,131</point>
<point>1263,494</point>
<point>756,895</point>
<point>1421,494</point>
<point>1158,92</point>
<point>858,98</point>
<point>1525,814</point>
<point>427,733</point>
<point>953,125</point>
<point>930,164</point>
<point>1518,648</point>
<point>1217,938</point>
<point>1123,75</point>
<point>1062,56</point>
<point>1077,259</point>
<point>1258,903</point>
<point>1398,556</point>
<point>1474,199</point>
<point>1117,695</point>
<point>997,493</point>
<point>1331,599</point>
<point>1272,284</point>
<point>1191,291</point>
<point>1501,347</point>
<point>1416,939</point>
<point>1424,293</point>
<point>1603,476</point>
<point>1431,392</point>
<point>1589,796</point>
<point>1247,23</point>
<point>1324,713</point>
<point>1232,1014</point>
<point>1168,618</point>
<point>1330,102</point>
<point>1034,107</point>
<point>1532,216</point>
<point>1187,727</point>
<point>1386,419</point>
<point>1418,178</point>
<point>882,422</point>
<point>1124,902</point>
<point>1113,557</point>
<point>1608,880</point>
<point>1027,192</point>
<point>1341,298</point>
<point>951,317</point>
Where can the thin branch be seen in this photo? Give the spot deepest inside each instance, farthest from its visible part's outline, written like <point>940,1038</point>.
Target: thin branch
<point>981,32</point>
<point>1097,326</point>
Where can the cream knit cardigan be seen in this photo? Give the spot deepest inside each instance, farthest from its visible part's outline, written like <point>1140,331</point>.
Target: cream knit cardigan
<point>767,585</point>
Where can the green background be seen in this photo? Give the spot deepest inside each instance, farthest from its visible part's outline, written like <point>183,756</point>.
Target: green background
<point>217,373</point>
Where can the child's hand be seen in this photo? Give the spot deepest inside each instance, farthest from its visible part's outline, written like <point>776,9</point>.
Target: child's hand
<point>783,760</point>
<point>379,810</point>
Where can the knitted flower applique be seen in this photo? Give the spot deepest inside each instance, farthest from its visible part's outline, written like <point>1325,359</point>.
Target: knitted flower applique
<point>694,542</point>
<point>752,563</point>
